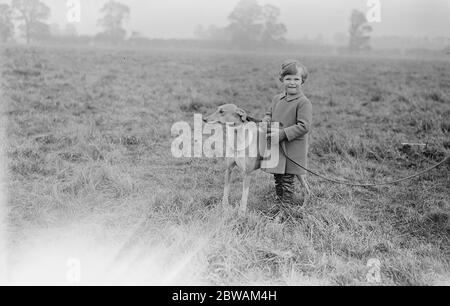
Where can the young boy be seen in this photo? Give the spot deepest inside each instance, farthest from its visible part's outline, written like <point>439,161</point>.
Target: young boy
<point>294,113</point>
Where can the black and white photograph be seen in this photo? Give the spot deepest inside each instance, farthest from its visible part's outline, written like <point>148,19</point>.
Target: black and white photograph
<point>225,149</point>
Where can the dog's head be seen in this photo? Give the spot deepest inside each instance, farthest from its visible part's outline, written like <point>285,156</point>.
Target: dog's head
<point>229,113</point>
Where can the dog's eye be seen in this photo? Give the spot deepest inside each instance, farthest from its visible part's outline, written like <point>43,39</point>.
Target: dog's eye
<point>221,111</point>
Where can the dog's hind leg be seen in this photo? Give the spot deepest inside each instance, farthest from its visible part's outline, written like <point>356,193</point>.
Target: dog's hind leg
<point>226,190</point>
<point>245,191</point>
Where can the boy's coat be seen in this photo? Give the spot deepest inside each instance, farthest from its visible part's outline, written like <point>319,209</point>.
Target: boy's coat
<point>294,113</point>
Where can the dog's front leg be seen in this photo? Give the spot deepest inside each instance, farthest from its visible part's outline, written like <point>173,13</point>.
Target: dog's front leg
<point>245,191</point>
<point>226,190</point>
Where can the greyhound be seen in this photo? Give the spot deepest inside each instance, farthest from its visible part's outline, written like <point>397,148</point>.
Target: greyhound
<point>238,118</point>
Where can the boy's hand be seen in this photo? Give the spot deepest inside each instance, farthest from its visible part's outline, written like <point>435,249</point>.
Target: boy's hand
<point>277,133</point>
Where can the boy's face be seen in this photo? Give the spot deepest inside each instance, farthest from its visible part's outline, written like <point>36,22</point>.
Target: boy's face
<point>292,84</point>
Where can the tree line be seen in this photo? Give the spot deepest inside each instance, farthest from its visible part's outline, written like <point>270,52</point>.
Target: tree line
<point>250,25</point>
<point>30,18</point>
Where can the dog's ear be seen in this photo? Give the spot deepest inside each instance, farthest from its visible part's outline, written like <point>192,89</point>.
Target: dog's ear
<point>251,119</point>
<point>242,113</point>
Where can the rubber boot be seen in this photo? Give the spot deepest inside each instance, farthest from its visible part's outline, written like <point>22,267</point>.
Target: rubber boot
<point>279,186</point>
<point>288,188</point>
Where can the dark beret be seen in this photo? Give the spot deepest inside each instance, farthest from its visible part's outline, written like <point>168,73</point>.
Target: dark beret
<point>292,67</point>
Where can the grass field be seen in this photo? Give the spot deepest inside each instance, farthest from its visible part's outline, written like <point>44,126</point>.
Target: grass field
<point>89,166</point>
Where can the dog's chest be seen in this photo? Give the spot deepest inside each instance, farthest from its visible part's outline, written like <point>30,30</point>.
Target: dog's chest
<point>248,164</point>
<point>243,145</point>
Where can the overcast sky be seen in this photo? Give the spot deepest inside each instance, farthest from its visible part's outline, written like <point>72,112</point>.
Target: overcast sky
<point>178,18</point>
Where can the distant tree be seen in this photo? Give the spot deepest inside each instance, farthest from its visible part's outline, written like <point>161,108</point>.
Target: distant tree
<point>252,24</point>
<point>114,15</point>
<point>32,14</point>
<point>6,24</point>
<point>246,23</point>
<point>274,31</point>
<point>359,32</point>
